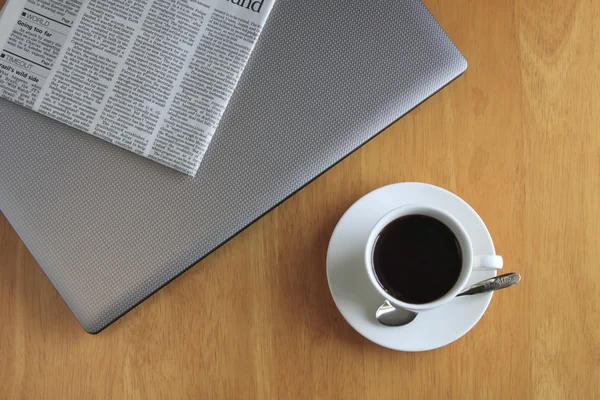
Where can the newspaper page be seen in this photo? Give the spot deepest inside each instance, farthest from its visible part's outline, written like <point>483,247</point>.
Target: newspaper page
<point>151,76</point>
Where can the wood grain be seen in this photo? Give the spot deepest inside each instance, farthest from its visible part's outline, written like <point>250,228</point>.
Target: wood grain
<point>518,137</point>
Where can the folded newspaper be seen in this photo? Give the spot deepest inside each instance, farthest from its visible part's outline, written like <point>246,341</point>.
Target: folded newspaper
<point>151,76</point>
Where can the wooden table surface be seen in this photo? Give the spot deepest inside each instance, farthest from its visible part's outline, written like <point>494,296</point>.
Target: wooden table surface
<point>517,136</point>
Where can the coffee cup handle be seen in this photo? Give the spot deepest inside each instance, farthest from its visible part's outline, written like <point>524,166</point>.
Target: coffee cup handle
<point>487,263</point>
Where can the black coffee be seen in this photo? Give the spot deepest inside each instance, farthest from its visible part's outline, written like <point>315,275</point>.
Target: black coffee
<point>417,259</point>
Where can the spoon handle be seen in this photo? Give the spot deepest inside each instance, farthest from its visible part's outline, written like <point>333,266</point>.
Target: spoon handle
<point>492,284</point>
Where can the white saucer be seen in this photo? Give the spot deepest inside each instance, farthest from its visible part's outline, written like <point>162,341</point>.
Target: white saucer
<point>357,300</point>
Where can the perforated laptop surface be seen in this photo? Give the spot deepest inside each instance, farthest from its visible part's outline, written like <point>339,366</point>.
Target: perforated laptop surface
<point>109,228</point>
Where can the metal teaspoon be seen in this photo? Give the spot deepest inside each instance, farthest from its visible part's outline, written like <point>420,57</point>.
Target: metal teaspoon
<point>389,315</point>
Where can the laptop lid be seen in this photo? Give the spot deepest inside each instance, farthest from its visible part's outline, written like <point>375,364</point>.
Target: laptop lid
<point>110,228</point>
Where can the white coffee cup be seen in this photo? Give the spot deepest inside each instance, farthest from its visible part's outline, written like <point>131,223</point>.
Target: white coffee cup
<point>470,261</point>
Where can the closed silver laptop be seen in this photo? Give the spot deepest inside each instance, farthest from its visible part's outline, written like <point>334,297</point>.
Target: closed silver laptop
<point>110,228</point>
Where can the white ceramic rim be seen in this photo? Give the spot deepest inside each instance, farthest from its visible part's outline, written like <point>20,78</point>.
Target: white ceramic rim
<point>442,216</point>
